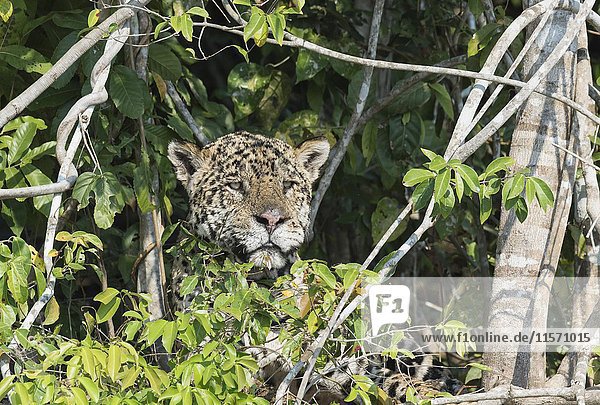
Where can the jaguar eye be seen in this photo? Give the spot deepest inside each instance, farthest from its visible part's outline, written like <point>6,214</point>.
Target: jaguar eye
<point>235,185</point>
<point>288,184</point>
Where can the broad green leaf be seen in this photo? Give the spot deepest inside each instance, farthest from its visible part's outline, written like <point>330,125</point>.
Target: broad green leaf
<point>521,209</point>
<point>107,311</point>
<point>469,176</point>
<point>21,141</point>
<point>277,24</point>
<point>17,122</point>
<point>325,274</point>
<point>83,187</point>
<point>93,17</point>
<point>529,191</point>
<point>63,46</point>
<point>6,385</point>
<point>163,61</point>
<point>155,330</point>
<point>35,177</point>
<point>130,377</point>
<point>501,163</point>
<point>113,363</point>
<point>416,176</point>
<point>442,185</point>
<point>255,24</point>
<point>19,267</point>
<point>199,11</point>
<point>430,155</point>
<point>158,29</point>
<point>385,214</point>
<point>247,83</point>
<point>309,64</point>
<point>187,27</point>
<point>517,186</point>
<point>23,58</point>
<point>51,312</point>
<point>127,91</point>
<point>476,7</point>
<point>437,163</point>
<point>106,296</point>
<point>443,97</point>
<point>169,335</point>
<point>6,10</point>
<point>91,387</point>
<point>422,194</point>
<point>44,149</point>
<point>543,194</point>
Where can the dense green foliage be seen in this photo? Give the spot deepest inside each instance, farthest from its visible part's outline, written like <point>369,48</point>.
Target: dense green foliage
<point>287,93</point>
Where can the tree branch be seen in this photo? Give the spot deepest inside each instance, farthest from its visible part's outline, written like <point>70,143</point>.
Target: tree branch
<point>187,116</point>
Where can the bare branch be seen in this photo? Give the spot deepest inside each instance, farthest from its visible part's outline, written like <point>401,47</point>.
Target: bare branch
<point>187,116</point>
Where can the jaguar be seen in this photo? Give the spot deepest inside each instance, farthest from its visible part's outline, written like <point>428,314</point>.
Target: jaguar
<point>251,195</point>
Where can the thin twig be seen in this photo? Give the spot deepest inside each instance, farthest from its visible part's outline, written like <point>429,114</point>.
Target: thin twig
<point>187,116</point>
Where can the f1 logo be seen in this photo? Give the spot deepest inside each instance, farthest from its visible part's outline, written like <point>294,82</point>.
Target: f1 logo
<point>388,304</point>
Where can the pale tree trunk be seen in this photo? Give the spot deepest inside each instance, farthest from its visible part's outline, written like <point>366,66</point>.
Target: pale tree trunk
<point>532,248</point>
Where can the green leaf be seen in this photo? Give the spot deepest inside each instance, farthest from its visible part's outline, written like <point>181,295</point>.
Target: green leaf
<point>6,385</point>
<point>127,91</point>
<point>19,267</point>
<point>6,10</point>
<point>517,186</point>
<point>51,312</point>
<point>108,310</point>
<point>91,388</point>
<point>21,141</point>
<point>501,163</point>
<point>169,335</point>
<point>325,274</point>
<point>443,97</point>
<point>158,29</point>
<point>438,163</point>
<point>442,185</point>
<point>459,185</point>
<point>23,58</point>
<point>35,177</point>
<point>44,149</point>
<point>309,64</point>
<point>422,194</point>
<point>416,176</point>
<point>469,176</point>
<point>369,141</point>
<point>162,60</point>
<point>256,23</point>
<point>199,11</point>
<point>529,191</point>
<point>141,184</point>
<point>521,209</point>
<point>476,7</point>
<point>93,17</point>
<point>485,208</point>
<point>247,83</point>
<point>385,214</point>
<point>430,155</point>
<point>277,23</point>
<point>113,363</point>
<point>107,295</point>
<point>187,27</point>
<point>543,194</point>
<point>83,188</point>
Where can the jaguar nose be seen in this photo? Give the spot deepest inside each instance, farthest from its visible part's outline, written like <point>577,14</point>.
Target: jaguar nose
<point>271,219</point>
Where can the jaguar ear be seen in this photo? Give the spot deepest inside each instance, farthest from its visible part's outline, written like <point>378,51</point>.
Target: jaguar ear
<point>186,158</point>
<point>312,154</point>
